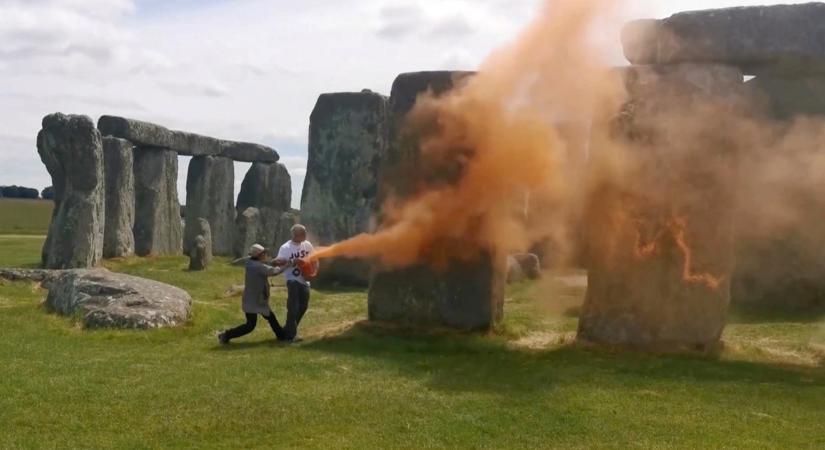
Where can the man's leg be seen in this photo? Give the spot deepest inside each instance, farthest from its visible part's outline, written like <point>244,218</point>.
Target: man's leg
<point>303,298</point>
<point>276,327</point>
<point>292,309</point>
<point>243,330</point>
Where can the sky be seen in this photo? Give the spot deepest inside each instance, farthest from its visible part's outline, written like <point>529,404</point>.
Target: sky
<point>247,70</point>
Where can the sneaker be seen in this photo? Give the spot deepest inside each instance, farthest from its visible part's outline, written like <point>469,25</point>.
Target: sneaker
<point>222,339</point>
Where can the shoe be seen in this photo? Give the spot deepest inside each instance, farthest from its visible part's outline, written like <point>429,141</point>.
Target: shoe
<point>222,339</point>
<point>295,340</point>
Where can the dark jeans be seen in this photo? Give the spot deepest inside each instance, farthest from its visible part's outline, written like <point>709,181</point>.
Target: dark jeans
<point>251,322</point>
<point>297,302</point>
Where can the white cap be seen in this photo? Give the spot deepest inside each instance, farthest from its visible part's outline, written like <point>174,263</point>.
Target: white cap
<point>256,250</point>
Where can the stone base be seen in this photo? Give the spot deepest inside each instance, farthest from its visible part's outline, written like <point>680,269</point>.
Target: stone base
<point>467,296</point>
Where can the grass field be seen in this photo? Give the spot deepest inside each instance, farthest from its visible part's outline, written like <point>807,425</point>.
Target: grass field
<point>26,217</point>
<point>355,385</point>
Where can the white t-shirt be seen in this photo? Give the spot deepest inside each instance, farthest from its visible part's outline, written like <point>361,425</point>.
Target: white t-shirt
<point>291,251</point>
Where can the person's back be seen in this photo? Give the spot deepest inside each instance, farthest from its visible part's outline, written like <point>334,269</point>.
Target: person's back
<point>256,287</point>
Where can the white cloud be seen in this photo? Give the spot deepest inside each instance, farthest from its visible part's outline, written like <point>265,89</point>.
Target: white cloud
<point>246,70</point>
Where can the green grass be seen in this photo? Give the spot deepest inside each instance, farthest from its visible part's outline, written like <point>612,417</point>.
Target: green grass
<point>353,385</point>
<point>26,217</point>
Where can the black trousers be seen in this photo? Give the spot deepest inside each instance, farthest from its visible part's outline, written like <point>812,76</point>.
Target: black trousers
<point>297,302</point>
<point>251,322</point>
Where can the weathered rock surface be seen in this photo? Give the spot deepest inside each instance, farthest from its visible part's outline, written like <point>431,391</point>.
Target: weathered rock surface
<point>246,230</point>
<point>210,194</point>
<point>150,135</point>
<point>757,39</point>
<point>783,269</point>
<point>284,230</point>
<point>521,266</point>
<point>70,147</point>
<point>200,249</point>
<point>267,188</point>
<point>789,97</point>
<point>200,255</point>
<point>112,300</point>
<point>157,209</point>
<point>118,237</point>
<point>347,135</point>
<point>38,275</point>
<point>468,295</point>
<point>660,264</point>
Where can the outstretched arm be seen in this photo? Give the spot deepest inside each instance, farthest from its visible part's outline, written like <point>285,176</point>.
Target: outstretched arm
<point>273,271</point>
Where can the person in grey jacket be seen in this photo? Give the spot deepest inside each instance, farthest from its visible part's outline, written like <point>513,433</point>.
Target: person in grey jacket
<point>256,297</point>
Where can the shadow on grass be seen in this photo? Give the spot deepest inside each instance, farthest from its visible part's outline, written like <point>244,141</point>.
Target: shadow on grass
<point>752,314</point>
<point>458,362</point>
<point>240,345</point>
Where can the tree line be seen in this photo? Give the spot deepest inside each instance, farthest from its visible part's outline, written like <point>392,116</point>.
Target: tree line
<point>15,191</point>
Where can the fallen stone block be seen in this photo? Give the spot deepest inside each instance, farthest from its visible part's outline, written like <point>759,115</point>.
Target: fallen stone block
<point>106,299</point>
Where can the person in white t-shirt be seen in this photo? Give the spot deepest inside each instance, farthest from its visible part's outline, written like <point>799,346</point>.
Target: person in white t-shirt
<point>297,286</point>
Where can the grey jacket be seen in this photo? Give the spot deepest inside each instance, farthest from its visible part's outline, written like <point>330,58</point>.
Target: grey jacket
<point>256,287</point>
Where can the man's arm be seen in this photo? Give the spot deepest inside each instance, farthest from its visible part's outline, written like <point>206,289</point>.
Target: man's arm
<point>272,271</point>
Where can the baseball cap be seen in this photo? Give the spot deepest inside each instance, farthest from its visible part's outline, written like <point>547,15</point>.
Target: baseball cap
<point>256,250</point>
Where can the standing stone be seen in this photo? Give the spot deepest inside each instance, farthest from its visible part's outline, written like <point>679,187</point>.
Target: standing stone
<point>246,230</point>
<point>70,147</point>
<point>157,208</point>
<point>782,266</point>
<point>210,185</point>
<point>660,238</point>
<point>118,238</point>
<point>268,188</point>
<point>467,295</point>
<point>200,252</point>
<point>285,224</point>
<point>347,134</point>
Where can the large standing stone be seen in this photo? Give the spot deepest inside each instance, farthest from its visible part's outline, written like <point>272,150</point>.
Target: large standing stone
<point>200,251</point>
<point>118,238</point>
<point>783,38</point>
<point>210,194</point>
<point>71,148</point>
<point>660,238</point>
<point>151,135</point>
<point>113,300</point>
<point>347,134</point>
<point>157,209</point>
<point>783,267</point>
<point>467,295</point>
<point>268,188</point>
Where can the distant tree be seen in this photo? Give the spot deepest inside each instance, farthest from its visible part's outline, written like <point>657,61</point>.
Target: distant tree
<point>48,193</point>
<point>30,193</point>
<point>19,192</point>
